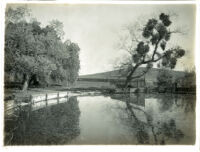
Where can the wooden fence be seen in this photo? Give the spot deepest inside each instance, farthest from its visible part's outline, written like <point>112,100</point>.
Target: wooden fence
<point>38,101</point>
<point>11,105</point>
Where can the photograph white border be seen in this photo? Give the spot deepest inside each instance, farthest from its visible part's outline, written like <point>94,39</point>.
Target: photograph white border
<point>100,148</point>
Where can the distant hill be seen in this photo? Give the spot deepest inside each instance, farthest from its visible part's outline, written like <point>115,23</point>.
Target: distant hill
<point>150,76</point>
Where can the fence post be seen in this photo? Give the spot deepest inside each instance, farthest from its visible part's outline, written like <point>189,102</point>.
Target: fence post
<point>67,95</point>
<point>58,97</point>
<point>31,99</point>
<point>46,99</point>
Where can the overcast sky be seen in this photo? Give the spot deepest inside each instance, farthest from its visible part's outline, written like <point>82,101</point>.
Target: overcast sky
<point>96,29</point>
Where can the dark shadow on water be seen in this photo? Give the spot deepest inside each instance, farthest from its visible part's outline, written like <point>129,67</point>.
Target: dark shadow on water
<point>56,124</point>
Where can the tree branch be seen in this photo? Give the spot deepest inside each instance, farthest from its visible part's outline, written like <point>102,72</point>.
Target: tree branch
<point>155,49</point>
<point>178,31</point>
<point>154,53</point>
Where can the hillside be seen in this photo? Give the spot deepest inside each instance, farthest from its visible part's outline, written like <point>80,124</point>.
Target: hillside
<point>116,74</point>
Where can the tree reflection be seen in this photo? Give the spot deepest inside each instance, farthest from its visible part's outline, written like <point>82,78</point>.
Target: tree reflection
<point>149,131</point>
<point>56,124</point>
<point>167,101</point>
<point>185,102</point>
<point>169,130</point>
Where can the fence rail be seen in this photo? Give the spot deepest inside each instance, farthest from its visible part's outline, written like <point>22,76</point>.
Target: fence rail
<point>11,105</point>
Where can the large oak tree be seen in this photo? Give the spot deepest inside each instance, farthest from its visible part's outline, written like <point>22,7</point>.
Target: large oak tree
<point>36,52</point>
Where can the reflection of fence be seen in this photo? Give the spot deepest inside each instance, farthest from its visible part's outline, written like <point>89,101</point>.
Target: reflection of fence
<point>36,101</point>
<point>46,97</point>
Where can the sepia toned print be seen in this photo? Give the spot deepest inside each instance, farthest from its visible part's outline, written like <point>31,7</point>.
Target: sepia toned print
<point>103,74</point>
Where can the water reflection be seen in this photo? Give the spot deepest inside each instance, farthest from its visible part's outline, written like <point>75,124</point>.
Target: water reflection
<point>146,128</point>
<point>116,119</point>
<point>56,124</point>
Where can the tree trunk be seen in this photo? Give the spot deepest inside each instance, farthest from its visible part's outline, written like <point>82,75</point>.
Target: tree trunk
<point>129,77</point>
<point>25,82</point>
<point>33,80</point>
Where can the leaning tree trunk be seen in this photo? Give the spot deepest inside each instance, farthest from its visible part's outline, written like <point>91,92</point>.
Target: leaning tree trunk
<point>129,77</point>
<point>25,82</point>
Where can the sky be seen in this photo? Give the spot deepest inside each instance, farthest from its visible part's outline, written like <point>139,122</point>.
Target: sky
<point>96,29</point>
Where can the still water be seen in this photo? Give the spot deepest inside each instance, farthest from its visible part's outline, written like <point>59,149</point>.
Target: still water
<point>114,119</point>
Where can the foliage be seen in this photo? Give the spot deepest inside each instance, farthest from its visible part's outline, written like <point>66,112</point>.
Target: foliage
<point>189,80</point>
<point>58,27</point>
<point>151,46</point>
<point>19,14</point>
<point>164,78</point>
<point>31,49</point>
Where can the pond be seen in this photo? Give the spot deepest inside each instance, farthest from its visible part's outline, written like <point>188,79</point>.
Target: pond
<point>114,119</point>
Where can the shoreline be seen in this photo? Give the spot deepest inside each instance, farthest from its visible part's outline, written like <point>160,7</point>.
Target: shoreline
<point>9,94</point>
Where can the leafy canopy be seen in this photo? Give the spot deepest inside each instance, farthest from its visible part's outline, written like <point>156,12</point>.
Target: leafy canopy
<point>31,49</point>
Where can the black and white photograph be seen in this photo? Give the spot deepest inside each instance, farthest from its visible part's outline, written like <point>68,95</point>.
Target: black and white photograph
<point>99,74</point>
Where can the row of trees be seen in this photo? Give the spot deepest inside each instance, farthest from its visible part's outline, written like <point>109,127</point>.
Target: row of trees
<point>165,80</point>
<point>38,54</point>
